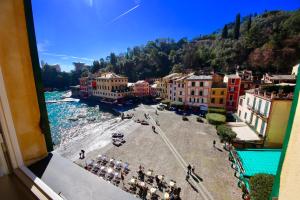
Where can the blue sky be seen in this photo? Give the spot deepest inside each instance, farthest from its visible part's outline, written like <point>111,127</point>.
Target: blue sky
<point>83,30</point>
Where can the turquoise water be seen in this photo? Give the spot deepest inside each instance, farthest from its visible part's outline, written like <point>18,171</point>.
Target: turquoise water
<point>60,113</point>
<point>259,161</point>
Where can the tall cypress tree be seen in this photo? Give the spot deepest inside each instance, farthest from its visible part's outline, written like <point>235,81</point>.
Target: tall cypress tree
<point>225,32</point>
<point>237,26</point>
<point>249,23</point>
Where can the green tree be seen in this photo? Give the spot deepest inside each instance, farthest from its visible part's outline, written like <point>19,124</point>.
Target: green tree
<point>96,66</point>
<point>261,186</point>
<point>225,32</point>
<point>237,26</point>
<point>249,22</point>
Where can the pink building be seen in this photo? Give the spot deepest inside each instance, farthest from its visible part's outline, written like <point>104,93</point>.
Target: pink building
<point>141,89</point>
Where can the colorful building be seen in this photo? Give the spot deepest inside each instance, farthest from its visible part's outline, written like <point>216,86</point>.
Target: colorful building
<point>218,95</point>
<point>141,89</point>
<point>83,82</point>
<point>233,83</point>
<point>110,86</point>
<point>164,87</point>
<point>246,81</point>
<point>286,184</point>
<point>267,113</point>
<point>172,86</point>
<point>198,89</point>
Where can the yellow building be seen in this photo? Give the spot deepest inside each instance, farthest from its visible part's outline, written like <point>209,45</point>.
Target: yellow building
<point>286,185</point>
<point>277,122</point>
<point>110,86</point>
<point>218,96</point>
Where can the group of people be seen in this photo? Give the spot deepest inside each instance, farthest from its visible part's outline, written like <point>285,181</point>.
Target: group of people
<point>190,171</point>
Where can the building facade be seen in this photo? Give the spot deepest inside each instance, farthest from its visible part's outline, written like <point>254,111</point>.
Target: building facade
<point>266,113</point>
<point>141,89</point>
<point>246,81</point>
<point>110,86</point>
<point>198,90</point>
<point>83,82</point>
<point>218,95</point>
<point>165,87</point>
<point>233,83</point>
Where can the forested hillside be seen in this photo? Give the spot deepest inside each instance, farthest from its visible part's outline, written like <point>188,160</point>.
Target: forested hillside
<point>269,42</point>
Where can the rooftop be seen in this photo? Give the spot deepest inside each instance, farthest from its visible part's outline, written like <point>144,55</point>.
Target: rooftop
<point>232,76</point>
<point>281,77</point>
<point>274,91</point>
<point>110,75</point>
<point>172,75</point>
<point>243,131</point>
<point>141,82</point>
<point>200,77</point>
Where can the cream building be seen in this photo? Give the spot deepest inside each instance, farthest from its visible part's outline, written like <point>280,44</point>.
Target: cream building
<point>198,91</point>
<point>266,113</point>
<point>110,86</point>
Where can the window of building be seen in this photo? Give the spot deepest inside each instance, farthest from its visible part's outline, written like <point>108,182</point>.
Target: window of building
<point>213,92</point>
<point>222,92</point>
<point>202,100</point>
<point>212,100</point>
<point>201,93</point>
<point>193,84</point>
<point>248,100</point>
<point>231,97</point>
<point>192,92</point>
<point>221,101</point>
<point>180,99</point>
<point>180,93</point>
<point>231,89</point>
<point>201,84</point>
<point>190,99</point>
<point>232,81</point>
<point>241,102</point>
<point>245,115</point>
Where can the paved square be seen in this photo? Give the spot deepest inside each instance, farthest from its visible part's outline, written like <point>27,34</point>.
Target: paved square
<point>177,144</point>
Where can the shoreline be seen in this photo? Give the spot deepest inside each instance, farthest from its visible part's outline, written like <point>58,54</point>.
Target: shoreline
<point>97,136</point>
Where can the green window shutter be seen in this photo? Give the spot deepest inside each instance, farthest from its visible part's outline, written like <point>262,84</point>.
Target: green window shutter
<point>266,108</point>
<point>256,123</point>
<point>262,128</point>
<point>254,101</point>
<point>259,105</point>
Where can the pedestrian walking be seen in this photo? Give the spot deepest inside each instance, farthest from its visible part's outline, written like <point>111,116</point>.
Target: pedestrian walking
<point>214,143</point>
<point>189,167</point>
<point>82,153</point>
<point>187,177</point>
<point>122,177</point>
<point>193,169</point>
